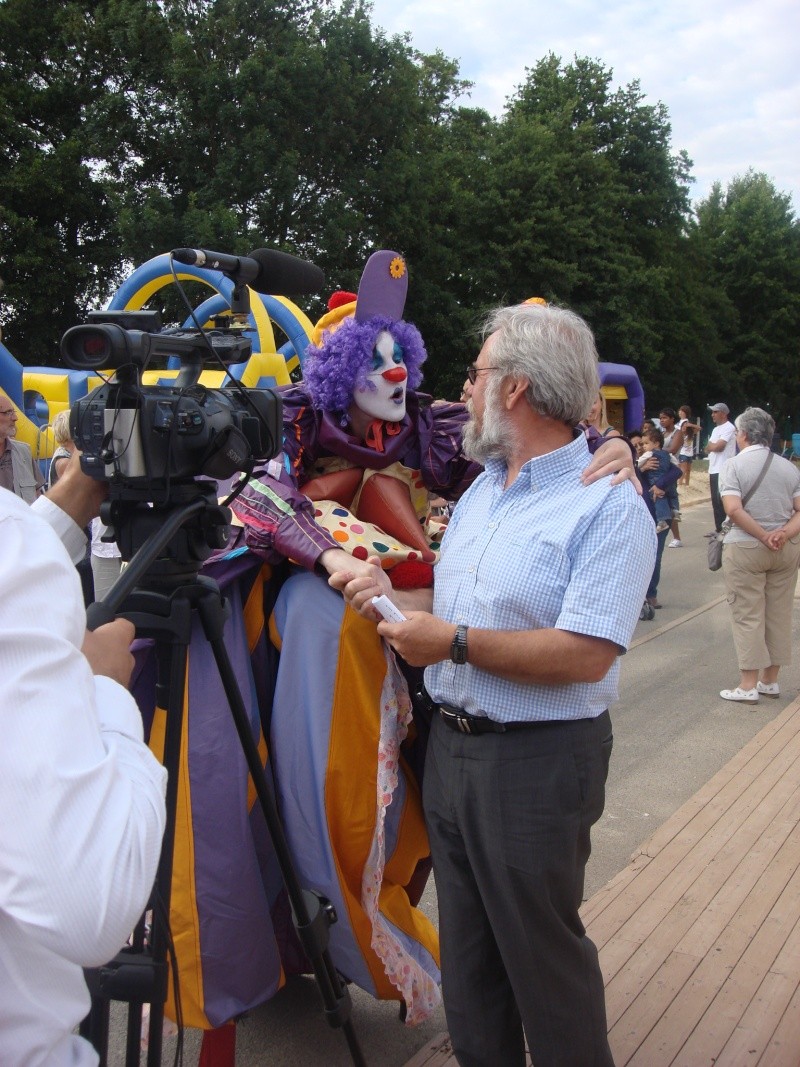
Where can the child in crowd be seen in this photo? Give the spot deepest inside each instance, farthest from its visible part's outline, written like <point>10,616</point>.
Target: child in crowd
<point>653,441</point>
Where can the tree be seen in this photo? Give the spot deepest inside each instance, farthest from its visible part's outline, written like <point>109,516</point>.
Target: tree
<point>750,241</point>
<point>588,206</point>
<point>55,210</point>
<point>212,123</point>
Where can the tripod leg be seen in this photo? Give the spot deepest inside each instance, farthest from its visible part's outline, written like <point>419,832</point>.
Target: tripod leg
<point>169,696</point>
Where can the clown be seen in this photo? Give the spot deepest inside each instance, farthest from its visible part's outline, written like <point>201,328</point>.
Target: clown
<point>363,450</point>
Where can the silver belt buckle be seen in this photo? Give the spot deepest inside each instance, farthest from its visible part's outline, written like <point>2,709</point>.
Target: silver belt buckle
<point>460,721</point>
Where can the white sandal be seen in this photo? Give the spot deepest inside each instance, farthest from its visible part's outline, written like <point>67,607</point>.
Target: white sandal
<point>742,696</point>
<point>768,689</point>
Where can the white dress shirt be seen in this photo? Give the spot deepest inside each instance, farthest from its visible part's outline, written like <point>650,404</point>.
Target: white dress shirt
<point>81,796</point>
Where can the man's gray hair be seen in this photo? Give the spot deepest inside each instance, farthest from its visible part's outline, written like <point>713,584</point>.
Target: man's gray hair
<point>757,425</point>
<point>554,349</point>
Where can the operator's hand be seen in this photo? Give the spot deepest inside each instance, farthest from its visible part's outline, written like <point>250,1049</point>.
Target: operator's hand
<point>108,649</point>
<point>360,584</point>
<point>78,494</point>
<point>421,640</point>
<point>612,457</point>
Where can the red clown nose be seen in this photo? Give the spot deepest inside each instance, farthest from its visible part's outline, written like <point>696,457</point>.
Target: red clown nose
<point>395,374</point>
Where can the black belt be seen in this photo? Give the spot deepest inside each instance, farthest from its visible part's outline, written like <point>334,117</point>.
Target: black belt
<point>463,723</point>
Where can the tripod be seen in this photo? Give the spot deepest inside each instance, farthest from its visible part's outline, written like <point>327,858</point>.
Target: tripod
<point>171,594</point>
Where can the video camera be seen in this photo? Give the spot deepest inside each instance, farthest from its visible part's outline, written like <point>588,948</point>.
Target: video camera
<point>143,439</point>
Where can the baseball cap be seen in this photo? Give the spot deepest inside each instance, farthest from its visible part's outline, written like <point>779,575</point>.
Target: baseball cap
<point>719,407</point>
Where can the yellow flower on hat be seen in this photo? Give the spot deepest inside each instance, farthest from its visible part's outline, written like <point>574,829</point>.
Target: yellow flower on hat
<point>397,267</point>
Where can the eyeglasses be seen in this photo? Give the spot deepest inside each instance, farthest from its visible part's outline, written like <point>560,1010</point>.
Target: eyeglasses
<point>473,372</point>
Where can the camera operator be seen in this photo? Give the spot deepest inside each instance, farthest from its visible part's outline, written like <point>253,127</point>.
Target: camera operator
<point>81,796</point>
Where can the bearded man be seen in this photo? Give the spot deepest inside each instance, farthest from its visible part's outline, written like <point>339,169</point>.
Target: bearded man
<point>536,594</point>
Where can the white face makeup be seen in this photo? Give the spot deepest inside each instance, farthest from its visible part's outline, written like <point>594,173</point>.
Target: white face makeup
<point>384,396</point>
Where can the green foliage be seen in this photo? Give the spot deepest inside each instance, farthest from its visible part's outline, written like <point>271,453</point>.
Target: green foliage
<point>130,127</point>
<point>593,205</point>
<point>750,243</point>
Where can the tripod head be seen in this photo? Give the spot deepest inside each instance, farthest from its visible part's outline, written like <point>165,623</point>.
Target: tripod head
<point>164,544</point>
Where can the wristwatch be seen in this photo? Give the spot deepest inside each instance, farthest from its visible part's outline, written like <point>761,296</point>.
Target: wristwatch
<point>458,649</point>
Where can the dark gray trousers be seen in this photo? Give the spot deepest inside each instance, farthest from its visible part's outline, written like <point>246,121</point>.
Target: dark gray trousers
<point>509,818</point>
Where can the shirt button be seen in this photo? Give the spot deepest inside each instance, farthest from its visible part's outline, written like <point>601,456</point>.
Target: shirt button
<point>491,525</point>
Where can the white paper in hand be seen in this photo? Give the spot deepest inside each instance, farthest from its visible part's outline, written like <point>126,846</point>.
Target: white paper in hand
<point>387,609</point>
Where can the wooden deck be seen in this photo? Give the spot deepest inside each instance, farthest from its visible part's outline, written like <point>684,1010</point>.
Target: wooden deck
<point>699,936</point>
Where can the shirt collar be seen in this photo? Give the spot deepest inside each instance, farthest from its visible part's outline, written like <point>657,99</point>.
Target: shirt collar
<point>541,470</point>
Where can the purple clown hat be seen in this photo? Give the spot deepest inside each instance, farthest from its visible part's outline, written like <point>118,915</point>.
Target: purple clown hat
<point>383,287</point>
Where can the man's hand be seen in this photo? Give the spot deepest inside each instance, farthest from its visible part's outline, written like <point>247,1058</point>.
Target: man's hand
<point>108,649</point>
<point>421,640</point>
<point>77,494</point>
<point>613,457</point>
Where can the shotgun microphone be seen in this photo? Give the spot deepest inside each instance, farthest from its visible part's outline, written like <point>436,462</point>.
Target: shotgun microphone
<point>266,269</point>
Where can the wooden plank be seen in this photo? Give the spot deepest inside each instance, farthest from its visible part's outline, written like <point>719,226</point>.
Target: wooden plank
<point>669,910</point>
<point>437,1053</point>
<point>689,1009</point>
<point>635,1026</point>
<point>757,754</point>
<point>697,919</point>
<point>742,984</point>
<point>638,908</point>
<point>772,847</point>
<point>784,1046</point>
<point>758,1023</point>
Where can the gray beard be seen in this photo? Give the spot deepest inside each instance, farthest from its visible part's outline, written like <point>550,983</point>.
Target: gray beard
<point>492,440</point>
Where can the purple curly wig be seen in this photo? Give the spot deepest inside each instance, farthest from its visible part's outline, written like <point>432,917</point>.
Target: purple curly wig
<point>333,371</point>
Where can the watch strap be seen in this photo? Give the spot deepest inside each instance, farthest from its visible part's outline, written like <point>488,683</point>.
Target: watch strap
<point>458,649</point>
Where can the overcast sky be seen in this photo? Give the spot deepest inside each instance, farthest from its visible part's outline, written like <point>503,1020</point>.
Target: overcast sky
<point>728,72</point>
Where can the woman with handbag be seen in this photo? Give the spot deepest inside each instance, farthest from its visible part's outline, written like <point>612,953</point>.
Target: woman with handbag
<point>761,496</point>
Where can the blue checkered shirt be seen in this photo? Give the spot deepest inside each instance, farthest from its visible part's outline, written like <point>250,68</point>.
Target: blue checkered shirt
<point>546,552</point>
